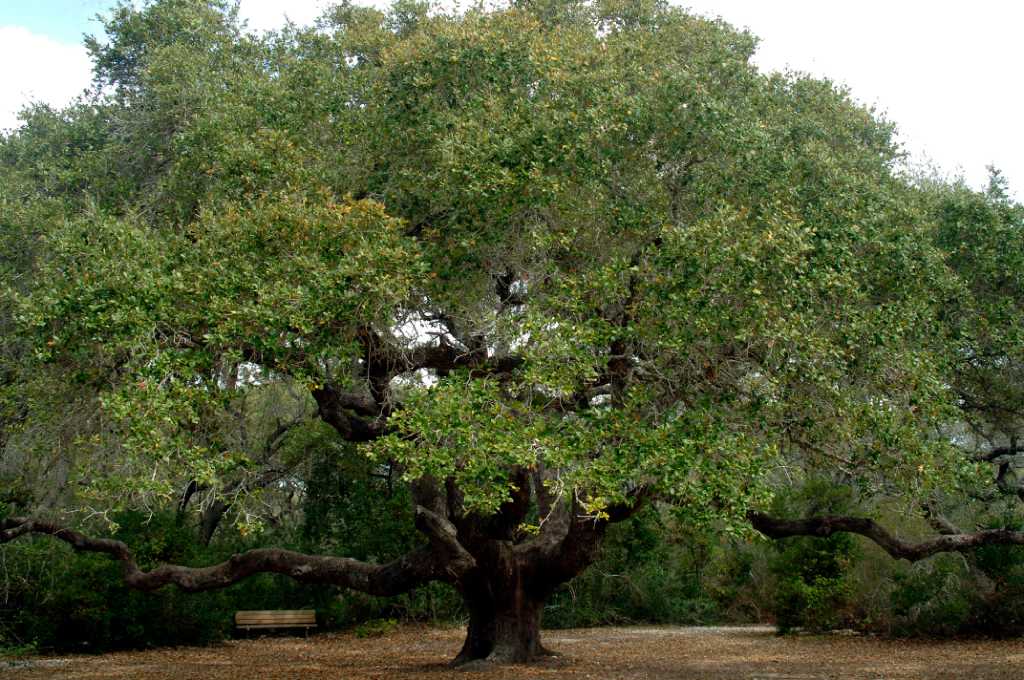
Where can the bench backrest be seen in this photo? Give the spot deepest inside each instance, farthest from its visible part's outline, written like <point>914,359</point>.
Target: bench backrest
<point>276,617</point>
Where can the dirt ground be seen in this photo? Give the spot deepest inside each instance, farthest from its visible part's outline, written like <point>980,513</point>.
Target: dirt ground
<point>421,653</point>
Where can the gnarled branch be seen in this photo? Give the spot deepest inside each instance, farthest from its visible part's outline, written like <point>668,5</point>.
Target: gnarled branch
<point>340,411</point>
<point>444,559</point>
<point>822,527</point>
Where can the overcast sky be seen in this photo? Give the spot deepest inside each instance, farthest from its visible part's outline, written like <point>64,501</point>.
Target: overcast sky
<point>947,73</point>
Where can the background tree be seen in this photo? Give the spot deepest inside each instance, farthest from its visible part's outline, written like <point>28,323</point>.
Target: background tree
<point>542,263</point>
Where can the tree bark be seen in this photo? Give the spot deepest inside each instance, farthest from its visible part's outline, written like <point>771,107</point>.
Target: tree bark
<point>503,632</point>
<point>505,598</point>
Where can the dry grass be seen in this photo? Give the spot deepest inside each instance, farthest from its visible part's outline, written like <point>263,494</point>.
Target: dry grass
<point>422,653</point>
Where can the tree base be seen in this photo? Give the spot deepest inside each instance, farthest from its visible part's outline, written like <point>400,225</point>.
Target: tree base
<point>509,637</point>
<point>504,657</point>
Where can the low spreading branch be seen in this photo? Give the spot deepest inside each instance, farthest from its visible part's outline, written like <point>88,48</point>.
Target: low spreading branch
<point>822,527</point>
<point>444,559</point>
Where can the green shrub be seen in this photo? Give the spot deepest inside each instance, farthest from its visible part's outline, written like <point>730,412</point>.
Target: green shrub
<point>813,590</point>
<point>651,570</point>
<point>932,598</point>
<point>376,628</point>
<point>16,651</point>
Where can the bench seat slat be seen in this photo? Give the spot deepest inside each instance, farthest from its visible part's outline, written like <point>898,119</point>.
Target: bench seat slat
<point>276,618</point>
<point>277,625</point>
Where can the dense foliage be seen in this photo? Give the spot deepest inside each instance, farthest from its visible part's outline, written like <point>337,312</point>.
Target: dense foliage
<point>231,201</point>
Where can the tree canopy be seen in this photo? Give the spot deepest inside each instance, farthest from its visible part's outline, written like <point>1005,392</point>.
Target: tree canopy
<point>544,262</point>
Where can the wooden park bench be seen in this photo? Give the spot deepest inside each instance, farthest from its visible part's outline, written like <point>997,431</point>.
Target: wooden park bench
<point>276,618</point>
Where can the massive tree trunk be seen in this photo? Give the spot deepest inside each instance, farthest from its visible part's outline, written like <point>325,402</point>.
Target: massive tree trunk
<point>505,592</point>
<point>504,620</point>
<point>505,596</point>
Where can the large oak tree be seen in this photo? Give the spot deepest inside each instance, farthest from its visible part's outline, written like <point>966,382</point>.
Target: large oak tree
<point>546,262</point>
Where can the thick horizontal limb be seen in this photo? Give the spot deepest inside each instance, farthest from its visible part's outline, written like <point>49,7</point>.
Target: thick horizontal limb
<point>773,527</point>
<point>443,560</point>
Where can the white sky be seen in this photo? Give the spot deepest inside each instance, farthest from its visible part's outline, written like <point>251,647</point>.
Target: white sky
<point>947,72</point>
<point>38,68</point>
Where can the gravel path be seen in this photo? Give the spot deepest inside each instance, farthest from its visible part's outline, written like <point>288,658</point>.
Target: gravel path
<point>654,653</point>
